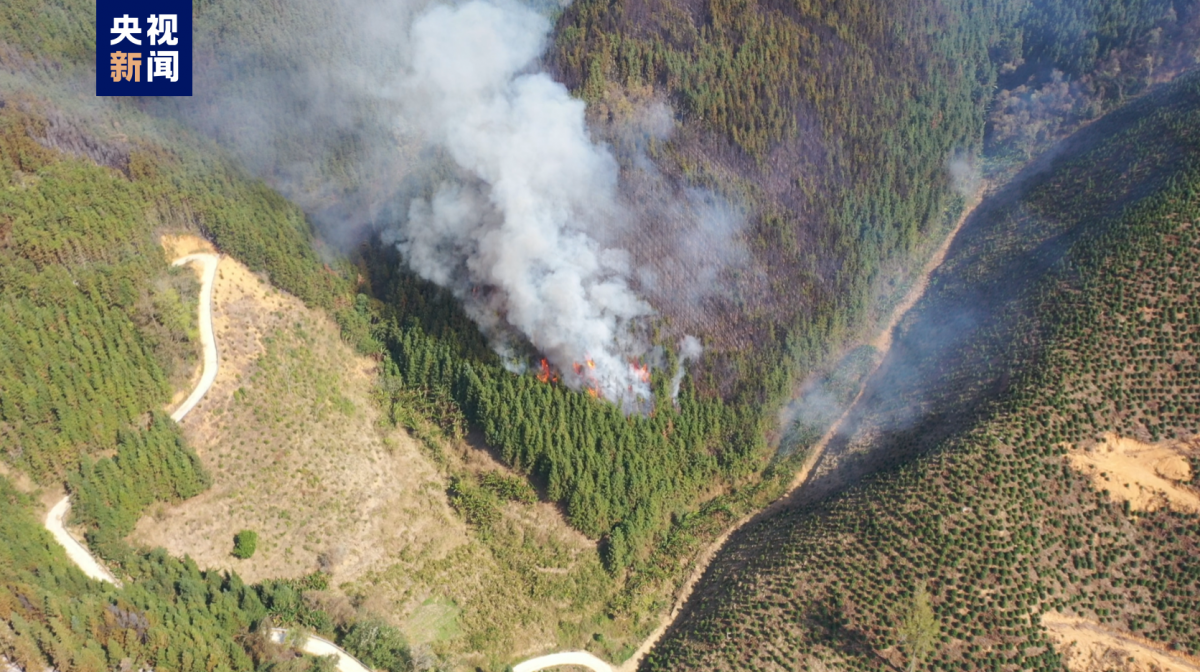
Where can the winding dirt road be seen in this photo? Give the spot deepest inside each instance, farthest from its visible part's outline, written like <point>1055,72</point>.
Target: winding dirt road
<point>77,552</point>
<point>208,341</point>
<point>55,519</point>
<point>577,658</point>
<point>319,646</point>
<point>83,558</point>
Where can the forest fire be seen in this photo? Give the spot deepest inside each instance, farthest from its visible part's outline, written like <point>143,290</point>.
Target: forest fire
<point>585,373</point>
<point>641,370</point>
<point>547,375</point>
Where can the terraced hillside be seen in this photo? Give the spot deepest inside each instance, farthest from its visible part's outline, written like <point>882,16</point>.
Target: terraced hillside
<point>983,499</point>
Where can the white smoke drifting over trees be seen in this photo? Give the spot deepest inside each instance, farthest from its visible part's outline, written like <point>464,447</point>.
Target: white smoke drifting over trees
<point>510,235</point>
<point>431,123</point>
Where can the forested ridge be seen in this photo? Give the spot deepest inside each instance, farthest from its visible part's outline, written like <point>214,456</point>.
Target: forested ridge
<point>834,123</point>
<point>989,517</point>
<point>831,122</point>
<point>619,477</point>
<point>873,189</point>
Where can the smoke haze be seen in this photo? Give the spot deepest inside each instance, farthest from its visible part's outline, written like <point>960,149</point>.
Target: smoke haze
<point>689,351</point>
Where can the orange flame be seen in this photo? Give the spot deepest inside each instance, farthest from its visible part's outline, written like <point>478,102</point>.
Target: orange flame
<point>641,370</point>
<point>546,375</point>
<point>591,364</point>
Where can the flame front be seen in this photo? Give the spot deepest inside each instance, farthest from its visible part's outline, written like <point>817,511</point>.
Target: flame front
<point>585,375</point>
<point>642,371</point>
<point>547,375</point>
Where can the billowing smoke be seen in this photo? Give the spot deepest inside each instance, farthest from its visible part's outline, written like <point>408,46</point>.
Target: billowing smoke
<point>432,123</point>
<point>510,234</point>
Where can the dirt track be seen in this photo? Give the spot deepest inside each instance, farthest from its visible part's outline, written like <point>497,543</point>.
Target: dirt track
<point>882,343</point>
<point>208,340</point>
<point>319,646</point>
<point>76,551</point>
<point>577,658</point>
<point>83,558</point>
<point>1089,647</point>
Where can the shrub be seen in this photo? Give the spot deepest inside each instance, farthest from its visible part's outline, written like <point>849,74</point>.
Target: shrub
<point>245,543</point>
<point>378,644</point>
<point>476,505</point>
<point>511,488</point>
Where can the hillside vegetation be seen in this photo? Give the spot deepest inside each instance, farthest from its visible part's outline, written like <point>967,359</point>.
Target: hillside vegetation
<point>97,328</point>
<point>831,123</point>
<point>845,178</point>
<point>978,503</point>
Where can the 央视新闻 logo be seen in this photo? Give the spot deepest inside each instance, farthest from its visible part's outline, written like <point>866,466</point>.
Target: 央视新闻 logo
<point>143,48</point>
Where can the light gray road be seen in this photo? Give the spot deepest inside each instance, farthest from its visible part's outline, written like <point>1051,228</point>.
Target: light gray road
<point>578,658</point>
<point>208,341</point>
<point>77,552</point>
<point>319,646</point>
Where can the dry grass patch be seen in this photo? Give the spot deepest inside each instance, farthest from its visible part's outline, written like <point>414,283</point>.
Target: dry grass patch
<point>290,434</point>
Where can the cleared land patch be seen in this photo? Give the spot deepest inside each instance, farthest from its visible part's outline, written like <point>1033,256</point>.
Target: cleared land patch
<point>290,434</point>
<point>300,452</point>
<point>1148,476</point>
<point>1087,647</point>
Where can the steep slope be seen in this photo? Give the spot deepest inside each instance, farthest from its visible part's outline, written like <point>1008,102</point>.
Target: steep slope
<point>844,130</point>
<point>973,495</point>
<point>97,331</point>
<point>843,178</point>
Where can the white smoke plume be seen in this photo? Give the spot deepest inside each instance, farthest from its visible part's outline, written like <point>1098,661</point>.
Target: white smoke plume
<point>689,351</point>
<point>510,235</point>
<point>965,175</point>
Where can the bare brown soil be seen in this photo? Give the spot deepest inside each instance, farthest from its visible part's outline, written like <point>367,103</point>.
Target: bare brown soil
<point>1148,476</point>
<point>1089,647</point>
